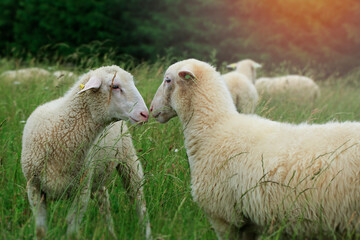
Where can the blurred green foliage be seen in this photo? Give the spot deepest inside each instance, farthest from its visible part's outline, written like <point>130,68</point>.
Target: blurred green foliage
<point>304,32</point>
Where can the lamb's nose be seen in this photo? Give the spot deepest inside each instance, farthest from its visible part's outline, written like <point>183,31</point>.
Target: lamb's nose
<point>151,108</point>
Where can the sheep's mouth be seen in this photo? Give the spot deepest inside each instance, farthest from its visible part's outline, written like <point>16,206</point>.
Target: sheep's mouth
<point>135,121</point>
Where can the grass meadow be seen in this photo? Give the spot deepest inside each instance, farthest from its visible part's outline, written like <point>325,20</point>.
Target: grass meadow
<point>172,212</point>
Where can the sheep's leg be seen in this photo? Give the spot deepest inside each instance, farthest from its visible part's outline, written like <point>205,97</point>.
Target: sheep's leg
<point>225,230</point>
<point>133,178</point>
<point>79,206</point>
<point>37,201</point>
<point>104,202</point>
<point>222,228</point>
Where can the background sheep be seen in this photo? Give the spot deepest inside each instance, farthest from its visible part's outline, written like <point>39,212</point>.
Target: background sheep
<point>247,170</point>
<point>26,73</point>
<point>55,156</point>
<point>247,67</point>
<point>242,90</point>
<point>292,86</point>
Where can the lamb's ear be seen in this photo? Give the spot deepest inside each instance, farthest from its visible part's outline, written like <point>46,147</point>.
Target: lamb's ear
<point>93,83</point>
<point>186,75</point>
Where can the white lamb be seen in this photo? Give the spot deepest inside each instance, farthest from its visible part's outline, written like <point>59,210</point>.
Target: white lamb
<point>242,90</point>
<point>247,170</point>
<point>58,153</point>
<point>247,67</point>
<point>292,86</point>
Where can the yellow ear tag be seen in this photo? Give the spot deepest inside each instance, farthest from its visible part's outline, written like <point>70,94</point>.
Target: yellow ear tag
<point>82,86</point>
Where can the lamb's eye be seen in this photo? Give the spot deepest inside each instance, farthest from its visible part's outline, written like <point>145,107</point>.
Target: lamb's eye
<point>115,87</point>
<point>168,80</point>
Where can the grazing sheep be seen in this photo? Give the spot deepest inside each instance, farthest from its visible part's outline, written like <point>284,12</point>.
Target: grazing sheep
<point>298,88</point>
<point>250,172</point>
<point>247,67</point>
<point>25,73</point>
<point>58,144</point>
<point>292,86</point>
<point>242,90</point>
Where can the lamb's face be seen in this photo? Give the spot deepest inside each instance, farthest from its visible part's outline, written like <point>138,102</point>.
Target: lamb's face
<point>114,96</point>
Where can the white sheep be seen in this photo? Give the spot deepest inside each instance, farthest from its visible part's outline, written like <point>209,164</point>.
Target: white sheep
<point>292,86</point>
<point>298,88</point>
<point>59,157</point>
<point>249,171</point>
<point>242,90</point>
<point>25,73</point>
<point>247,67</point>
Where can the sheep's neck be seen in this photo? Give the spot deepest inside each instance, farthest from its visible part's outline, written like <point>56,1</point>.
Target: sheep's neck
<point>203,113</point>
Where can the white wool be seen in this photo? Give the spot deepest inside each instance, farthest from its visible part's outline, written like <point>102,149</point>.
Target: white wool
<point>243,92</point>
<point>58,137</point>
<point>247,170</point>
<point>293,86</point>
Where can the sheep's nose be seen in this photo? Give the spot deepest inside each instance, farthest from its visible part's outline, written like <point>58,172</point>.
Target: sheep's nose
<point>145,116</point>
<point>151,108</point>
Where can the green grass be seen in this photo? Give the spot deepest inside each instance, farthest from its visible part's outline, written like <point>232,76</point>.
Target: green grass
<point>173,214</point>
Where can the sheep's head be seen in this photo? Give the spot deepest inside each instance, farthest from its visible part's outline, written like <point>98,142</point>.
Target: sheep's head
<point>111,95</point>
<point>180,79</point>
<point>247,67</point>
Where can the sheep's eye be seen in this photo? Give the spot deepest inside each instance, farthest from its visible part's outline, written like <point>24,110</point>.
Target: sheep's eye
<point>115,87</point>
<point>168,80</point>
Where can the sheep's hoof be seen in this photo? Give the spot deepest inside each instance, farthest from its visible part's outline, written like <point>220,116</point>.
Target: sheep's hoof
<point>40,232</point>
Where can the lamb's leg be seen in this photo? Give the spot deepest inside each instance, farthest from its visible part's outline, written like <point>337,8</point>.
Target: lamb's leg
<point>103,198</point>
<point>37,202</point>
<point>133,178</point>
<point>79,205</point>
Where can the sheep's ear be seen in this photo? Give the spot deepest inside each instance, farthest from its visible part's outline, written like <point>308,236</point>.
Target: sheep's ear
<point>93,83</point>
<point>186,75</point>
<point>231,66</point>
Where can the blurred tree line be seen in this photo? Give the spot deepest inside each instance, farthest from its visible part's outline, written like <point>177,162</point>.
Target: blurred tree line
<point>320,33</point>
